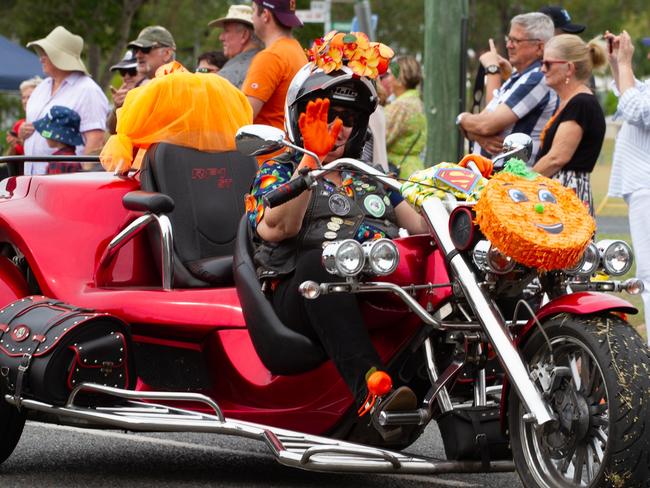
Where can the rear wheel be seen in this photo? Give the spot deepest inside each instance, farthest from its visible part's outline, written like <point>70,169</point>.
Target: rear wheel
<point>596,377</point>
<point>11,428</point>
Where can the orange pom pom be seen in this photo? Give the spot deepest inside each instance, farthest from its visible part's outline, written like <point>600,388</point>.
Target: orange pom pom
<point>379,383</point>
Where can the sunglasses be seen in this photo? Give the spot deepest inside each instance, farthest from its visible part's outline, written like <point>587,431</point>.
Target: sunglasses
<point>145,50</point>
<point>548,63</point>
<point>348,117</point>
<point>128,72</point>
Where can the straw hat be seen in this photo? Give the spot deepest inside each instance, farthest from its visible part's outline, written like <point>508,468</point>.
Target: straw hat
<point>236,13</point>
<point>63,48</point>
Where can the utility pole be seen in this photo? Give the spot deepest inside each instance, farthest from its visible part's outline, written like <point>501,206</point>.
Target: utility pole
<point>444,76</point>
<point>364,15</point>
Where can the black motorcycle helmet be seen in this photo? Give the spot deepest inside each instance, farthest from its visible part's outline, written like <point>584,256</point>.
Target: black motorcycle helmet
<point>344,89</point>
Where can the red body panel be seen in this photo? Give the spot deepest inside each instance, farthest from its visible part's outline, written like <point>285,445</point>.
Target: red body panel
<point>62,224</point>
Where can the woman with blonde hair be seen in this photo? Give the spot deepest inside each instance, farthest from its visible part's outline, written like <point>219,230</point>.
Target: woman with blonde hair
<point>406,125</point>
<point>573,137</point>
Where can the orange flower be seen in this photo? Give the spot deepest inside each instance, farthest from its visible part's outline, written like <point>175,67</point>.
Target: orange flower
<point>250,202</point>
<point>267,180</point>
<point>355,50</point>
<point>260,213</point>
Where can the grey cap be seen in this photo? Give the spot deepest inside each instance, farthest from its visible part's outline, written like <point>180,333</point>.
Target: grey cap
<point>152,36</point>
<point>129,61</point>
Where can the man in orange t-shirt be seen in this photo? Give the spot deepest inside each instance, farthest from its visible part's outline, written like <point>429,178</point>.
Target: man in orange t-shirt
<point>272,69</point>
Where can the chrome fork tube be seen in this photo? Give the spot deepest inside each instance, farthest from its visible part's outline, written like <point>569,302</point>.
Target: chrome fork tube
<point>488,315</point>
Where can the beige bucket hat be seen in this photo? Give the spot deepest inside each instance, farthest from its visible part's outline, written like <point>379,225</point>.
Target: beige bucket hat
<point>63,48</point>
<point>236,13</point>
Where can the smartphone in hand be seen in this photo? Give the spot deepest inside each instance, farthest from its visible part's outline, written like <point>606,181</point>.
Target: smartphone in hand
<point>610,45</point>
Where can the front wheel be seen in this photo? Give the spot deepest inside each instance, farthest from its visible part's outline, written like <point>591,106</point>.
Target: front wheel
<point>596,377</point>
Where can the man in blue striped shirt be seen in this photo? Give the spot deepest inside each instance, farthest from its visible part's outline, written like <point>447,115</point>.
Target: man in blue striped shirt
<point>523,103</point>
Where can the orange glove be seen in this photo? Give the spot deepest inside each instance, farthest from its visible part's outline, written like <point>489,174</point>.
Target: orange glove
<point>483,164</point>
<point>316,135</point>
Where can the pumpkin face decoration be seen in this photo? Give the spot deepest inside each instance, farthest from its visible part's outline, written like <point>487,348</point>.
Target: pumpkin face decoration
<point>537,222</point>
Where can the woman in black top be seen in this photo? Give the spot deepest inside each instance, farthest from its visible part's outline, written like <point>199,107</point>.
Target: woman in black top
<point>573,137</point>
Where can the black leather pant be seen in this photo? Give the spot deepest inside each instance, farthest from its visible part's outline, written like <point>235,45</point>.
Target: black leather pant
<point>333,320</point>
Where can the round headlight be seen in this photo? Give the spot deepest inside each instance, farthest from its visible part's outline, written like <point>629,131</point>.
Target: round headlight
<point>588,263</point>
<point>616,256</point>
<point>489,259</point>
<point>343,258</point>
<point>382,256</point>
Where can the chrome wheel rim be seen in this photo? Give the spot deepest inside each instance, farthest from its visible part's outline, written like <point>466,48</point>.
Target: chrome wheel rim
<point>571,452</point>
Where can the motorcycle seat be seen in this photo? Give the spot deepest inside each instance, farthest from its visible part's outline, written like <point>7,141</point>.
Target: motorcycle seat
<point>282,350</point>
<point>207,191</point>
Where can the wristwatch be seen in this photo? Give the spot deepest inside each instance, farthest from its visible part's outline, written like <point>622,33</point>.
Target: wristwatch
<point>493,69</point>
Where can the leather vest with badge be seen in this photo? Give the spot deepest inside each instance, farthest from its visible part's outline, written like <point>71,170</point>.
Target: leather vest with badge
<point>333,214</point>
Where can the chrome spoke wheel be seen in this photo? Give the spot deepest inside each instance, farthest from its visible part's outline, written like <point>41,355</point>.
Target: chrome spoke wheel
<point>570,451</point>
<point>594,374</point>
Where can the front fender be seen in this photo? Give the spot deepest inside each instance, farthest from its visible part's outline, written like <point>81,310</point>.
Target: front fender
<point>579,303</point>
<point>12,282</point>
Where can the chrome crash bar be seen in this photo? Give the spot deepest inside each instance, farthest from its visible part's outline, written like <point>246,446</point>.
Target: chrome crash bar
<point>290,448</point>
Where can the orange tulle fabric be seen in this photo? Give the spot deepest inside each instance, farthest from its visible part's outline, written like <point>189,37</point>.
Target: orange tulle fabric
<point>198,110</point>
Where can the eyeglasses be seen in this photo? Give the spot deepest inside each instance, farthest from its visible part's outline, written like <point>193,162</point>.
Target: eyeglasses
<point>516,41</point>
<point>348,117</point>
<point>548,63</point>
<point>145,50</point>
<point>128,72</point>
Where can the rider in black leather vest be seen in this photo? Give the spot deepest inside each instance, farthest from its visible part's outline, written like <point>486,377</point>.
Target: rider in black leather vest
<point>333,214</point>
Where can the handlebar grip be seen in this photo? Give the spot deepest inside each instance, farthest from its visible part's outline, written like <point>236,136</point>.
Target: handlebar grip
<point>285,192</point>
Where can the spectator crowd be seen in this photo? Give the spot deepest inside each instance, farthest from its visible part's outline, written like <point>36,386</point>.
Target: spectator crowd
<point>543,87</point>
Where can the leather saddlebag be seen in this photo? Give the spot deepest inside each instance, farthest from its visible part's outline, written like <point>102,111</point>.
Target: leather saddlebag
<point>47,348</point>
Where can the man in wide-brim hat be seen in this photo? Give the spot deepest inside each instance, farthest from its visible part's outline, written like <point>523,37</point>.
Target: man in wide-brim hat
<point>240,44</point>
<point>67,85</point>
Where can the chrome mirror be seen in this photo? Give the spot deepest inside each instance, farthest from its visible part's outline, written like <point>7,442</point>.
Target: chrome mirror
<point>257,139</point>
<point>516,145</point>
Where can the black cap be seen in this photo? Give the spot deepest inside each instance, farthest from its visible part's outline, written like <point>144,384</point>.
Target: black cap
<point>562,19</point>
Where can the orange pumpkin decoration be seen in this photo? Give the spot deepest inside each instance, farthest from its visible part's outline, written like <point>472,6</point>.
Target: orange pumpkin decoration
<point>534,220</point>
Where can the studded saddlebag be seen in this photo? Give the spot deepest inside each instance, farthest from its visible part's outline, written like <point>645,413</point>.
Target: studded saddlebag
<point>47,348</point>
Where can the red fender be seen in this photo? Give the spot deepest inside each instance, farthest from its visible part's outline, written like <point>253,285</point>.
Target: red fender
<point>580,303</point>
<point>12,283</point>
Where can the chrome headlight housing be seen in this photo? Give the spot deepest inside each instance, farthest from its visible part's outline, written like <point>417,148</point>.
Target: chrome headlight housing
<point>343,258</point>
<point>615,256</point>
<point>588,263</point>
<point>489,259</point>
<point>382,256</point>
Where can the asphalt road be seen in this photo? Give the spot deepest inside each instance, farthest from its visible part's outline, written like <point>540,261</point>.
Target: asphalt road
<point>56,456</point>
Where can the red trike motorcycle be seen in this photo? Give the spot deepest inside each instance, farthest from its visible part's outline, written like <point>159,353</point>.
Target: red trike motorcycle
<point>513,363</point>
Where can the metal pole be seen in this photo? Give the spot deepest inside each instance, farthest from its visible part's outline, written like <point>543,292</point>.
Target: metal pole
<point>442,58</point>
<point>364,15</point>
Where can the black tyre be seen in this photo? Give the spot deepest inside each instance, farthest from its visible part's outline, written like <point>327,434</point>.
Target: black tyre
<point>11,428</point>
<point>601,399</point>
